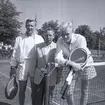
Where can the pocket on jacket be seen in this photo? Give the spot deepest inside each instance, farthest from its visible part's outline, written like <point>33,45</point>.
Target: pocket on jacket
<point>38,76</point>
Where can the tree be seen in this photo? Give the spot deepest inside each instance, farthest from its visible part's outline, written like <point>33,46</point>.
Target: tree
<point>102,38</point>
<point>96,40</point>
<point>9,24</point>
<point>50,25</point>
<point>103,31</point>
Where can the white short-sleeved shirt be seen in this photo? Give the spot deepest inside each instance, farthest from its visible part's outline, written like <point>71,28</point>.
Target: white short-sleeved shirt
<point>24,52</point>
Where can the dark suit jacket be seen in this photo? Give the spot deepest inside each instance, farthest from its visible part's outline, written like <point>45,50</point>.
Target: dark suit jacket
<point>43,58</point>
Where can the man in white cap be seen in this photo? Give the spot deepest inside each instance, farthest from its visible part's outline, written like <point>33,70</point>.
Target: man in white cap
<point>65,45</point>
<point>23,58</point>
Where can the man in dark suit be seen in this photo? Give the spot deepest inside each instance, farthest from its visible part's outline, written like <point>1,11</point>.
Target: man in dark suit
<point>45,54</point>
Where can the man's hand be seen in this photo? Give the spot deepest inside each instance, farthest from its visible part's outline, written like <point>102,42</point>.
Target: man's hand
<point>12,71</point>
<point>74,65</point>
<point>43,71</point>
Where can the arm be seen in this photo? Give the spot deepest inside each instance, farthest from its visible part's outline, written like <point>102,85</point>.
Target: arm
<point>15,54</point>
<point>61,60</point>
<point>59,54</point>
<point>13,62</point>
<point>83,44</point>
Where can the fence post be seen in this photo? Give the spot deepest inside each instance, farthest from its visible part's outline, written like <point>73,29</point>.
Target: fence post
<point>47,82</point>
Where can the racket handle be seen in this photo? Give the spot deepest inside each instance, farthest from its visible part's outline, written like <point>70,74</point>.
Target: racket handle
<point>64,90</point>
<point>63,87</point>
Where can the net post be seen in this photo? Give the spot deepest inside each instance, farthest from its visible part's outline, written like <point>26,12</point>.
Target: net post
<point>47,83</point>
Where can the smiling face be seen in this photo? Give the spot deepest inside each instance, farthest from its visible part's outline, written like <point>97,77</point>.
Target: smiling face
<point>66,27</point>
<point>49,36</point>
<point>30,26</point>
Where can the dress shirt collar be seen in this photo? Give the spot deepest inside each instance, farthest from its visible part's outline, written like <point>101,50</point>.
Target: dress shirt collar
<point>33,34</point>
<point>51,44</point>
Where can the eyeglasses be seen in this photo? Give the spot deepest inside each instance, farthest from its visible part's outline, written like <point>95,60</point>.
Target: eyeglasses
<point>65,35</point>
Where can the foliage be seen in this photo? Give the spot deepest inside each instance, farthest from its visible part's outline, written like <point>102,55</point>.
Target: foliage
<point>102,38</point>
<point>102,31</point>
<point>95,40</point>
<point>9,24</point>
<point>50,25</point>
<point>96,35</point>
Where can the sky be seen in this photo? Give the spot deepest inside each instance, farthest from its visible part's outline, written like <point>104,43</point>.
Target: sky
<point>89,12</point>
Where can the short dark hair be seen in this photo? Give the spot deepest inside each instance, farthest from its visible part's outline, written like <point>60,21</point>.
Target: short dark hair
<point>30,20</point>
<point>50,29</point>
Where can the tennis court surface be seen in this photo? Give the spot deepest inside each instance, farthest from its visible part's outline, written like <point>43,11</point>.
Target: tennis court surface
<point>4,77</point>
<point>96,90</point>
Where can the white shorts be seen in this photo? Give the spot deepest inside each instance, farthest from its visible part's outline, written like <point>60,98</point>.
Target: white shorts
<point>22,73</point>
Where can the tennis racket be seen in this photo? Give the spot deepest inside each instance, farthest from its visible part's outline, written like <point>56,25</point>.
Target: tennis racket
<point>11,88</point>
<point>79,55</point>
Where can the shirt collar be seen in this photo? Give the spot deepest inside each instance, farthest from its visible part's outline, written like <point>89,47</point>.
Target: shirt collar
<point>33,34</point>
<point>51,44</point>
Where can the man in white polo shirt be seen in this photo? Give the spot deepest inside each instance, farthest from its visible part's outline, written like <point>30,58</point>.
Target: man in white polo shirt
<point>65,45</point>
<point>23,58</point>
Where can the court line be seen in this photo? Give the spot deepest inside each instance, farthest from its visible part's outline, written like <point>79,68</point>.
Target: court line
<point>4,75</point>
<point>9,77</point>
<point>55,103</point>
<point>52,100</point>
